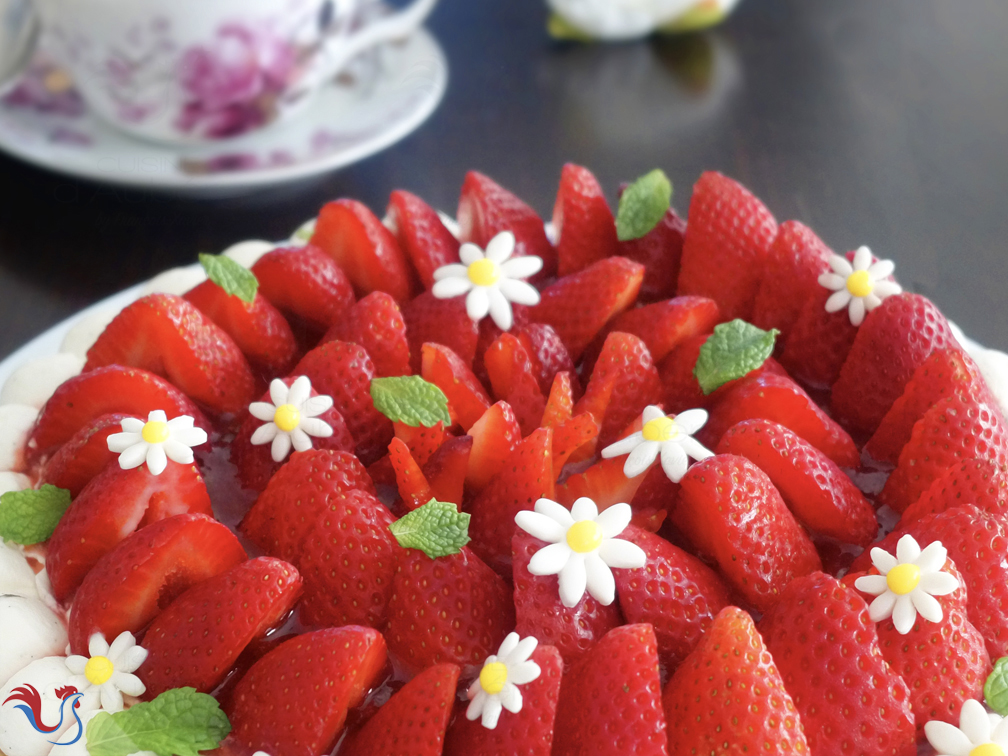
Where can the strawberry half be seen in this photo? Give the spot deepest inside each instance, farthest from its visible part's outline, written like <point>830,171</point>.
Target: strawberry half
<point>377,324</point>
<point>446,469</point>
<point>494,435</point>
<point>660,252</point>
<point>305,282</point>
<point>547,351</point>
<point>818,343</point>
<point>439,321</point>
<point>83,456</point>
<point>467,399</point>
<point>979,482</point>
<point>514,380</point>
<point>421,235</point>
<point>414,490</point>
<point>585,229</point>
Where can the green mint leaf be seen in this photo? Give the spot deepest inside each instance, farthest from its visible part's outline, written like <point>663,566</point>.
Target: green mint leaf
<point>734,350</point>
<point>31,516</point>
<point>411,400</point>
<point>437,529</point>
<point>179,722</point>
<point>643,205</point>
<point>235,279</point>
<point>996,687</point>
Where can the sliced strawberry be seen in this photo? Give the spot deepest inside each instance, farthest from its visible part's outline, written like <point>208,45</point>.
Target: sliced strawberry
<point>514,380</point>
<point>584,223</point>
<point>168,336</point>
<point>422,441</point>
<point>733,514</point>
<point>568,437</point>
<point>413,486</point>
<point>376,323</point>
<point>83,456</point>
<point>321,676</point>
<point>818,343</point>
<point>979,482</point>
<point>306,282</point>
<point>258,328</point>
<point>560,402</point>
<point>131,584</point>
<point>467,399</point>
<point>494,435</point>
<point>196,641</point>
<point>547,350</point>
<point>450,609</point>
<point>654,500</point>
<point>603,482</point>
<point>660,252</point>
<point>446,469</point>
<point>680,389</point>
<point>730,684</point>
<point>817,492</point>
<point>439,321</point>
<point>727,245</point>
<point>610,701</point>
<point>421,235</point>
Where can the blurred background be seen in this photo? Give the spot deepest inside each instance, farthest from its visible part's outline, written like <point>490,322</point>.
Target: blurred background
<point>883,124</point>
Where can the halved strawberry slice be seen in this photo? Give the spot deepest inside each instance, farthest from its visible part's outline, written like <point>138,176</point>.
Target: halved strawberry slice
<point>603,482</point>
<point>979,482</point>
<point>422,441</point>
<point>467,399</point>
<point>413,486</point>
<point>421,235</point>
<point>377,324</point>
<point>660,252</point>
<point>439,321</point>
<point>131,584</point>
<point>83,456</point>
<point>570,436</point>
<point>445,471</point>
<point>584,223</point>
<point>560,402</point>
<point>494,435</point>
<point>168,336</point>
<point>306,282</point>
<point>513,379</point>
<point>547,351</point>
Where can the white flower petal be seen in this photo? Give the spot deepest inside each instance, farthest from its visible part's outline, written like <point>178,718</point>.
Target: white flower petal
<point>904,615</point>
<point>500,308</point>
<point>135,456</point>
<point>190,436</point>
<point>938,583</point>
<point>623,446</point>
<point>621,554</point>
<point>550,560</point>
<point>519,654</point>
<point>129,684</point>
<point>882,607</point>
<point>278,392</point>
<point>509,644</point>
<point>281,446</point>
<point>881,269</point>
<point>838,301</point>
<point>641,458</point>
<point>522,673</point>
<point>477,700</point>
<point>555,511</point>
<point>491,712</point>
<point>501,247</point>
<point>449,288</point>
<point>262,411</point>
<point>157,460</point>
<point>120,442</point>
<point>477,303</point>
<point>613,520</point>
<point>573,579</point>
<point>511,698</point>
<point>883,560</point>
<point>264,434</point>
<point>873,584</point>
<point>674,461</point>
<point>315,427</point>
<point>132,425</point>
<point>178,452</point>
<point>974,722</point>
<point>599,581</point>
<point>111,699</point>
<point>926,606</point>
<point>871,301</point>
<point>856,311</point>
<point>650,413</point>
<point>122,643</point>
<point>132,659</point>
<point>470,253</point>
<point>522,267</point>
<point>946,739</point>
<point>884,289</point>
<point>180,424</point>
<point>691,421</point>
<point>862,258</point>
<point>584,509</point>
<point>907,550</point>
<point>453,270</point>
<point>832,281</point>
<point>299,391</point>
<point>932,558</point>
<point>519,292</point>
<point>92,696</point>
<point>76,664</point>
<point>840,266</point>
<point>999,733</point>
<point>314,406</point>
<point>157,416</point>
<point>541,526</point>
<point>300,440</point>
<point>694,448</point>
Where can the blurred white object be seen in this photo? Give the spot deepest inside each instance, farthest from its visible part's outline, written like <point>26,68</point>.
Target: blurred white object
<point>629,19</point>
<point>18,30</point>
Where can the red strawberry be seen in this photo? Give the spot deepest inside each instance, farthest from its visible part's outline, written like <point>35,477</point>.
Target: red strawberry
<point>421,235</point>
<point>978,482</point>
<point>513,379</point>
<point>579,306</point>
<point>584,223</point>
<point>828,655</point>
<point>494,435</point>
<point>344,372</point>
<point>112,506</point>
<point>733,514</point>
<point>445,471</point>
<point>83,456</point>
<point>467,399</point>
<point>577,433</point>
<point>367,251</point>
<point>727,245</point>
<point>485,209</point>
<point>168,336</point>
<point>729,687</point>
<point>680,388</point>
<point>294,700</point>
<point>895,338</point>
<point>197,639</point>
<point>306,282</point>
<point>376,324</point>
<point>450,609</point>
<point>258,328</point>
<point>816,491</point>
<point>547,351</point>
<point>610,701</point>
<point>818,343</point>
<point>422,441</point>
<point>439,321</point>
<point>129,585</point>
<point>560,402</point>
<point>603,482</point>
<point>676,593</point>
<point>413,721</point>
<point>660,252</point>
<point>413,486</point>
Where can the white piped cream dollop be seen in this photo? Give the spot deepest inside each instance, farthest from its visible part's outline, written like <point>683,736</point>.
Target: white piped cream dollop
<point>85,332</point>
<point>13,481</point>
<point>247,253</point>
<point>28,631</point>
<point>17,578</point>
<point>34,382</point>
<point>16,421</point>
<point>175,281</point>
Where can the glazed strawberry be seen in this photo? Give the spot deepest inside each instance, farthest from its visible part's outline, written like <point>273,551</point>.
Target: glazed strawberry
<point>196,640</point>
<point>467,399</point>
<point>610,701</point>
<point>414,490</point>
<point>422,441</point>
<point>486,208</point>
<point>305,282</point>
<point>559,402</point>
<point>603,482</point>
<point>83,456</point>
<point>727,245</point>
<point>344,372</point>
<point>366,251</point>
<point>573,435</point>
<point>527,475</point>
<point>894,339</point>
<point>413,721</point>
<point>818,343</point>
<point>585,229</point>
<point>818,493</point>
<point>514,380</point>
<point>258,328</point>
<point>445,471</point>
<point>294,700</point>
<point>494,435</point>
<point>439,321</point>
<point>547,351</point>
<point>421,235</point>
<point>168,336</point>
<point>660,252</point>
<point>130,585</point>
<point>450,609</point>
<point>675,593</point>
<point>112,506</point>
<point>348,558</point>
<point>979,482</point>
<point>376,323</point>
<point>733,514</point>
<point>730,686</point>
<point>828,654</point>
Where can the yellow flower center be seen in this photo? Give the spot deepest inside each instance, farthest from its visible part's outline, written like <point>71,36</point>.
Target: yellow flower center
<point>484,272</point>
<point>287,417</point>
<point>660,429</point>
<point>859,283</point>
<point>987,749</point>
<point>584,536</point>
<point>493,676</point>
<point>903,578</point>
<point>155,432</point>
<point>98,670</point>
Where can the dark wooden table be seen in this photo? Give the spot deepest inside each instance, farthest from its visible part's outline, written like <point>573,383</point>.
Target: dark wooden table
<point>876,123</point>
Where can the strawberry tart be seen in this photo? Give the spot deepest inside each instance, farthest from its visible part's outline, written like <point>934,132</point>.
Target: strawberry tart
<point>425,485</point>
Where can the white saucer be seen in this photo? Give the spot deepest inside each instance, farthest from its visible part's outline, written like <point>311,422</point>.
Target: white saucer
<point>387,94</point>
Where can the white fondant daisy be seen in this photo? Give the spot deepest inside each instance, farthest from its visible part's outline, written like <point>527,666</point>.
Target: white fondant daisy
<point>491,281</point>
<point>156,441</point>
<point>860,287</point>
<point>670,437</point>
<point>107,672</point>
<point>907,583</point>
<point>582,547</point>
<point>291,419</point>
<point>980,733</point>
<point>496,688</point>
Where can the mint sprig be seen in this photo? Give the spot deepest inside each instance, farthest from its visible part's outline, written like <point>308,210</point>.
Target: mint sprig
<point>643,205</point>
<point>734,349</point>
<point>996,688</point>
<point>179,722</point>
<point>410,400</point>
<point>235,279</point>
<point>437,529</point>
<point>30,516</point>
